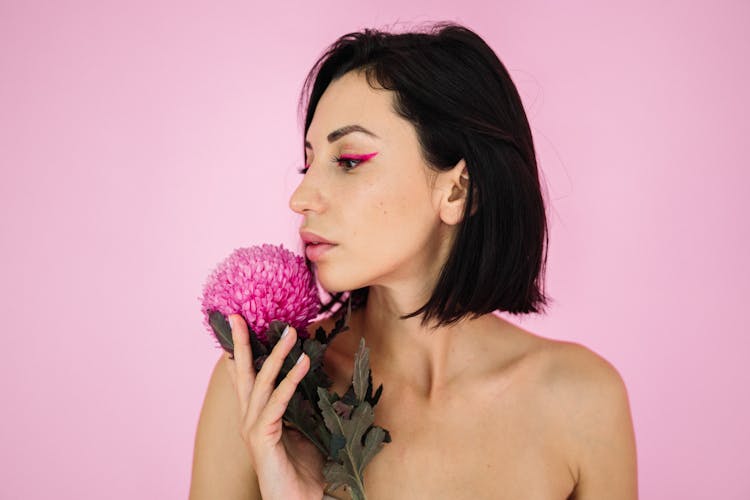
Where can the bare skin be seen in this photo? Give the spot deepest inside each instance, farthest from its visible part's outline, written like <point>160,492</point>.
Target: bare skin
<point>509,426</point>
<point>529,418</point>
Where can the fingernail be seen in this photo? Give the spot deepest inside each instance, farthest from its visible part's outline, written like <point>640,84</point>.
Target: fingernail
<point>299,359</point>
<point>285,332</point>
<point>229,320</point>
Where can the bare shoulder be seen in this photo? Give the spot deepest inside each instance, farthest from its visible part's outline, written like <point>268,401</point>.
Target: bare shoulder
<point>573,379</point>
<point>573,369</point>
<point>221,464</point>
<point>589,401</point>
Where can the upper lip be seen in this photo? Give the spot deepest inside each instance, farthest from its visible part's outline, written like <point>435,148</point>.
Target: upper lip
<point>309,237</point>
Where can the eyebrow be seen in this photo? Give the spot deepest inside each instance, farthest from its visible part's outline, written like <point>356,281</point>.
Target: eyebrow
<point>341,132</point>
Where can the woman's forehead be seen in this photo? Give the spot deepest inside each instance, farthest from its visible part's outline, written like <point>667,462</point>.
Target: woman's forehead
<point>350,100</point>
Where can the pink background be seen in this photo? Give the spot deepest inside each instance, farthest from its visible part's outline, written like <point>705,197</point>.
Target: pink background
<point>141,142</point>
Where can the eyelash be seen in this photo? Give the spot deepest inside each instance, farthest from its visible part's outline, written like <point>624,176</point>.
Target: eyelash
<point>337,159</point>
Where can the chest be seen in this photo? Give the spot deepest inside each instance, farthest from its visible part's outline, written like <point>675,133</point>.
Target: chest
<point>488,443</point>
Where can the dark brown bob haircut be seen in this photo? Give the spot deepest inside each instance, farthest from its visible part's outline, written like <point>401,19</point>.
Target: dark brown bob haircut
<point>460,98</point>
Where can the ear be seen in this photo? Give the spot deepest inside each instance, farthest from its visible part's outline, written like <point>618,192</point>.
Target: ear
<point>453,186</point>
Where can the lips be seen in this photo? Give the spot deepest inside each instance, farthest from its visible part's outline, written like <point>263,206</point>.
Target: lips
<point>315,245</point>
<point>311,238</point>
<point>315,252</point>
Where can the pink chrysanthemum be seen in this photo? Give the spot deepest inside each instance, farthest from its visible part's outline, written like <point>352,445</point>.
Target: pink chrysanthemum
<point>262,283</point>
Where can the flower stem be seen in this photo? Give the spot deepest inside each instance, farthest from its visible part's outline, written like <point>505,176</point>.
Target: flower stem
<point>358,492</point>
<point>358,489</point>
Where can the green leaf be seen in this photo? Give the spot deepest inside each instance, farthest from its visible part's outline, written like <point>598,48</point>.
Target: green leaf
<point>340,427</point>
<point>361,370</point>
<point>349,397</point>
<point>341,324</point>
<point>315,351</point>
<point>275,329</point>
<point>338,443</point>
<point>304,419</point>
<point>222,330</point>
<point>355,428</point>
<point>336,475</point>
<point>331,419</point>
<point>369,397</point>
<point>324,435</point>
<point>342,409</point>
<point>373,444</point>
<point>256,346</point>
<point>289,361</point>
<point>223,333</point>
<point>320,335</point>
<point>352,430</point>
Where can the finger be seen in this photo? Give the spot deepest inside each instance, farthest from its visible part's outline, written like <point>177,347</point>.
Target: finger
<point>279,400</point>
<point>266,378</point>
<point>244,373</point>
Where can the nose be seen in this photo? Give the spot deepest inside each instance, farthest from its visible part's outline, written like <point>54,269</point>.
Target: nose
<point>307,196</point>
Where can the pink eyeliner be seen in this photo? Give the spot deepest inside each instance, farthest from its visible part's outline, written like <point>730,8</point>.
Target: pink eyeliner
<point>358,157</point>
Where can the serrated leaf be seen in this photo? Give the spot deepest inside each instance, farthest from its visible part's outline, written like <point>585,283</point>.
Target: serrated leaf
<point>222,330</point>
<point>338,443</point>
<point>256,346</point>
<point>341,427</point>
<point>361,370</point>
<point>315,351</point>
<point>387,436</point>
<point>320,335</point>
<point>373,444</point>
<point>223,333</point>
<point>275,329</point>
<point>294,410</point>
<point>324,435</point>
<point>355,428</point>
<point>301,413</point>
<point>350,397</point>
<point>332,420</point>
<point>291,359</point>
<point>375,399</point>
<point>335,475</point>
<point>342,409</point>
<point>341,324</point>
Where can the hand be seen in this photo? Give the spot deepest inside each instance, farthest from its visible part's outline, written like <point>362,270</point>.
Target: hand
<point>287,464</point>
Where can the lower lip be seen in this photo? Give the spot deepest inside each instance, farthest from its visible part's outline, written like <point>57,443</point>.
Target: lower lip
<point>314,252</point>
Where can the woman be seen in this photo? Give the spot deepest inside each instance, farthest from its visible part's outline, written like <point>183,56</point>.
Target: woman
<point>421,174</point>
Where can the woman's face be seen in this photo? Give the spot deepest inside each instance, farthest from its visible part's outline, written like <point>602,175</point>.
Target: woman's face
<point>376,203</point>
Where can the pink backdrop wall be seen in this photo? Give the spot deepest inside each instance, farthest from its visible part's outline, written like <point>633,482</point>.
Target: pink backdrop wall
<point>140,142</point>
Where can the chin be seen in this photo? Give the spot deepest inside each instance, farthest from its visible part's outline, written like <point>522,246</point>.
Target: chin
<point>337,281</point>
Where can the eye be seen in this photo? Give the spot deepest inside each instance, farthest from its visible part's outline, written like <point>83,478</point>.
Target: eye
<point>350,162</point>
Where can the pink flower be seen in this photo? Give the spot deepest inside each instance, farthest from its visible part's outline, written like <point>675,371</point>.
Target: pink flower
<point>262,283</point>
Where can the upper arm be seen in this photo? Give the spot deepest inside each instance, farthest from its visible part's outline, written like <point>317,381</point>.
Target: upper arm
<point>221,463</point>
<point>601,428</point>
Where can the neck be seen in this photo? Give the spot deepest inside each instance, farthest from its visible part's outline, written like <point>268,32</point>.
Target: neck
<point>424,361</point>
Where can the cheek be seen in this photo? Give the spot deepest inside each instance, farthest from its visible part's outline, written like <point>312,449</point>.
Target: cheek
<point>392,212</point>
<point>385,224</point>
